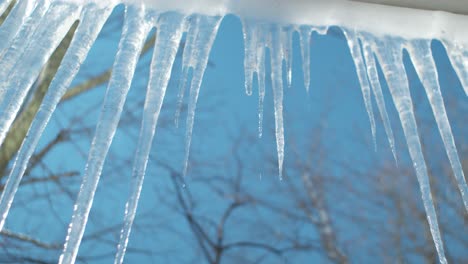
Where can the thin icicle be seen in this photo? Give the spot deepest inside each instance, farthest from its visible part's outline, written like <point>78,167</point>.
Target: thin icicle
<point>277,86</point>
<point>133,36</point>
<point>47,37</point>
<point>458,54</point>
<point>91,23</point>
<point>305,33</point>
<point>362,77</point>
<point>421,55</point>
<point>389,53</point>
<point>286,46</point>
<point>168,38</point>
<point>261,87</point>
<point>14,21</point>
<point>206,28</point>
<point>373,76</point>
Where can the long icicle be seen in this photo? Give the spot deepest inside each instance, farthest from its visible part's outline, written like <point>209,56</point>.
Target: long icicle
<point>18,83</point>
<point>421,55</point>
<point>362,77</point>
<point>277,87</point>
<point>169,33</point>
<point>373,76</point>
<point>133,36</point>
<point>390,55</point>
<point>86,33</point>
<point>208,28</point>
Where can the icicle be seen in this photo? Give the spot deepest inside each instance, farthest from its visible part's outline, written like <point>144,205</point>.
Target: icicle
<point>250,32</point>
<point>133,36</point>
<point>168,38</point>
<point>458,54</point>
<point>261,87</point>
<point>421,55</point>
<point>206,29</point>
<point>277,85</point>
<point>305,34</point>
<point>188,53</point>
<point>14,21</point>
<point>389,53</point>
<point>47,37</point>
<point>286,46</point>
<point>377,90</point>
<point>254,61</point>
<point>362,77</point>
<point>16,40</point>
<point>86,33</point>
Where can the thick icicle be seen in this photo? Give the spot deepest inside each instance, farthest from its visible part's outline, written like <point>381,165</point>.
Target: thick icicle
<point>390,56</point>
<point>277,86</point>
<point>46,39</point>
<point>133,36</point>
<point>355,50</point>
<point>421,55</point>
<point>168,37</point>
<point>305,33</point>
<point>15,20</point>
<point>373,76</point>
<point>206,28</point>
<point>91,23</point>
<point>17,43</point>
<point>458,54</point>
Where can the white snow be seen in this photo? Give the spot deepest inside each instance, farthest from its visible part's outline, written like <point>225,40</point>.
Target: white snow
<point>375,33</point>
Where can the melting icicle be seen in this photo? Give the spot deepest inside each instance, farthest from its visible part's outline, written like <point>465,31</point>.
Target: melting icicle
<point>133,36</point>
<point>168,38</point>
<point>47,37</point>
<point>277,85</point>
<point>362,77</point>
<point>91,23</point>
<point>204,31</point>
<point>305,34</point>
<point>458,54</point>
<point>373,76</point>
<point>421,55</point>
<point>389,53</point>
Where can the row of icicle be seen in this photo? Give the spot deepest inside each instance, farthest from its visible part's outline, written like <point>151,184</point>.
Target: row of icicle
<point>34,29</point>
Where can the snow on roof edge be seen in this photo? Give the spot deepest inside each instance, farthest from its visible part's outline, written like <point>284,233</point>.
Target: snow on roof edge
<point>408,23</point>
